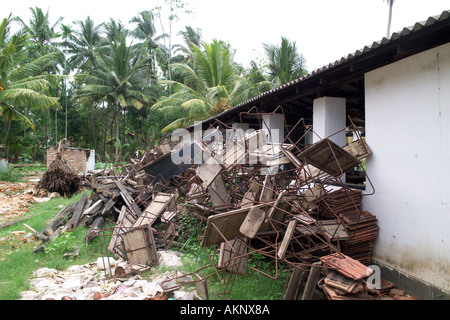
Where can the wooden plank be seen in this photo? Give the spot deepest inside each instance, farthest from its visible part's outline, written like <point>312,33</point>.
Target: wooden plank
<point>257,220</point>
<point>123,224</point>
<point>140,246</point>
<point>228,223</point>
<point>255,140</point>
<point>201,286</point>
<point>128,199</point>
<point>267,191</point>
<point>297,277</point>
<point>104,187</point>
<point>277,161</point>
<point>155,209</point>
<point>294,160</point>
<point>311,195</point>
<point>218,193</point>
<point>234,155</point>
<point>253,221</point>
<point>73,223</point>
<point>287,238</point>
<point>275,207</point>
<point>311,283</point>
<point>93,208</point>
<point>95,228</point>
<point>37,234</point>
<point>10,223</point>
<point>56,221</point>
<point>329,157</point>
<point>168,216</point>
<point>208,172</point>
<point>108,206</point>
<point>250,195</point>
<point>234,259</point>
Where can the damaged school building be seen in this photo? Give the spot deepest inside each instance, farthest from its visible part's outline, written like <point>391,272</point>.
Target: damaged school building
<point>339,176</point>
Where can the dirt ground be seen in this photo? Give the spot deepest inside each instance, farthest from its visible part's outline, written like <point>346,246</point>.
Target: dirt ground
<point>17,197</point>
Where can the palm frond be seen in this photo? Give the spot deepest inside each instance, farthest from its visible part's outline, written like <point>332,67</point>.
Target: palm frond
<point>28,97</point>
<point>34,67</point>
<point>18,116</point>
<point>39,83</point>
<point>179,123</point>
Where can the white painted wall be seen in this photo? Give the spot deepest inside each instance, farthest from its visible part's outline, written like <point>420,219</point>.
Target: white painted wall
<point>408,130</point>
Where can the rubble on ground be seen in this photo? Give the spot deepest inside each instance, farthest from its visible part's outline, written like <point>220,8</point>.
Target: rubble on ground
<point>16,198</point>
<point>90,282</point>
<point>285,202</point>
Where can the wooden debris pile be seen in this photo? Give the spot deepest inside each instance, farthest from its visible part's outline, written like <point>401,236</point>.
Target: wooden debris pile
<point>129,202</point>
<point>279,202</point>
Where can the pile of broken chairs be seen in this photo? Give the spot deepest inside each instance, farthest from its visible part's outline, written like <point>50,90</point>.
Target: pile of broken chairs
<point>290,207</point>
<point>283,202</point>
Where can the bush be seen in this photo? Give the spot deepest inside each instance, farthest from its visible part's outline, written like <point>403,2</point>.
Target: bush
<point>10,174</point>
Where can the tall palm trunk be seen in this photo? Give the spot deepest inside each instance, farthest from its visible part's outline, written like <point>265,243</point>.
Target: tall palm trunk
<point>117,133</point>
<point>8,127</point>
<point>94,140</point>
<point>56,125</point>
<point>391,4</point>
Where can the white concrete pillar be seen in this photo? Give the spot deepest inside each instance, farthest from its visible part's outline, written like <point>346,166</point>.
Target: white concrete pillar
<point>329,117</point>
<point>273,126</point>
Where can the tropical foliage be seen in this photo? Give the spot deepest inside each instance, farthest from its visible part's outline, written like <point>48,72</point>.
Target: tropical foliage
<point>120,88</point>
<point>24,84</point>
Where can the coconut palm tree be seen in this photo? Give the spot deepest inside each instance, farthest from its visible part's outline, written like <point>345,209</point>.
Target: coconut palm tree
<point>82,43</point>
<point>22,83</point>
<point>79,45</point>
<point>145,31</point>
<point>41,32</point>
<point>190,36</point>
<point>285,63</point>
<point>115,31</point>
<point>43,39</point>
<point>117,80</point>
<point>390,4</point>
<point>211,85</point>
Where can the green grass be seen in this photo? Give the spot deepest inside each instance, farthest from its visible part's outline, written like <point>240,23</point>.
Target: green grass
<point>251,286</point>
<point>17,260</point>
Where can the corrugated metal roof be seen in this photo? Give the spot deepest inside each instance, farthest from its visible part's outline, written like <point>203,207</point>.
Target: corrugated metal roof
<point>367,49</point>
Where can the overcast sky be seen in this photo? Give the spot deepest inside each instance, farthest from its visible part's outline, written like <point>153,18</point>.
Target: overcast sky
<point>324,30</point>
